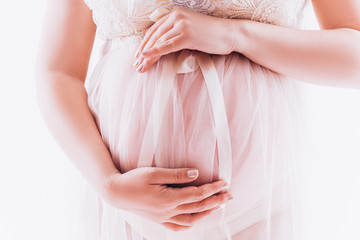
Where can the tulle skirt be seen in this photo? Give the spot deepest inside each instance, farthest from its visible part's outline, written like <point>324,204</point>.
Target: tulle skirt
<point>262,119</point>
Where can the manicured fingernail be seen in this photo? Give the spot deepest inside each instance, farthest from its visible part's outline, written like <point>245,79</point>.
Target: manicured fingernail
<point>139,68</point>
<point>136,62</point>
<point>139,62</point>
<point>225,188</point>
<point>137,54</point>
<point>192,173</point>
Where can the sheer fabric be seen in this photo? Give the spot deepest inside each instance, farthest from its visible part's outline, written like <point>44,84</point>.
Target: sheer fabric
<point>167,117</point>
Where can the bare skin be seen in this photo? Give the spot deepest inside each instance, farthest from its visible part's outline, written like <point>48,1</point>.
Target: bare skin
<point>330,56</point>
<point>65,50</point>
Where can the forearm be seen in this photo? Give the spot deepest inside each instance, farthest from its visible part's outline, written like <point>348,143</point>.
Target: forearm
<point>63,102</point>
<point>326,57</point>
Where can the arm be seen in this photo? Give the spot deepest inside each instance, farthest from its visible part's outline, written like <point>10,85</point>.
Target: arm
<point>65,50</point>
<point>329,57</point>
<point>62,63</point>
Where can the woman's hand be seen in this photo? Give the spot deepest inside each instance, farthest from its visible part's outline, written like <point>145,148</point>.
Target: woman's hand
<point>183,28</point>
<point>144,191</point>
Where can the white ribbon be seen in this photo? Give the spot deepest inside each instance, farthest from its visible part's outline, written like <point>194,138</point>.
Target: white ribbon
<point>186,62</point>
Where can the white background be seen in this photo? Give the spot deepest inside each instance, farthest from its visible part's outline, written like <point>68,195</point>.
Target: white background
<point>36,179</point>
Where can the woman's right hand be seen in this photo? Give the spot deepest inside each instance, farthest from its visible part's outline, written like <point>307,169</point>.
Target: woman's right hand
<point>145,191</point>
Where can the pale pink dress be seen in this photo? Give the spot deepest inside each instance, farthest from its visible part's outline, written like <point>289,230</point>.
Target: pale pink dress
<point>239,122</point>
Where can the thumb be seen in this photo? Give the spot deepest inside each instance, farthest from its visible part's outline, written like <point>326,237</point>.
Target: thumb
<point>172,175</point>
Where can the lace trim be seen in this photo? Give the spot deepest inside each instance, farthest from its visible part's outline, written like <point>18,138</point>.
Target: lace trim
<point>120,18</point>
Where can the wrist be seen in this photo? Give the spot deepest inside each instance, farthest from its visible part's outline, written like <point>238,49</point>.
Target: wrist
<point>107,185</point>
<point>239,35</point>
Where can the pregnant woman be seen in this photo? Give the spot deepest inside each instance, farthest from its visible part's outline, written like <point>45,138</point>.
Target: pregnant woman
<point>187,128</point>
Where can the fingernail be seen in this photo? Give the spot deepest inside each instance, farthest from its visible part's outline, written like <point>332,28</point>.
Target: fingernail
<point>144,52</point>
<point>137,53</point>
<point>136,62</point>
<point>139,68</point>
<point>192,173</point>
<point>225,188</point>
<point>139,62</point>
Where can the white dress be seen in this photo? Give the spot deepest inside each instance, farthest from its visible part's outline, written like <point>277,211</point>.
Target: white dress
<point>226,115</point>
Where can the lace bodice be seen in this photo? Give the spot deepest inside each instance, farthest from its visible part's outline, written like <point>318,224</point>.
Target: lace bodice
<point>123,18</point>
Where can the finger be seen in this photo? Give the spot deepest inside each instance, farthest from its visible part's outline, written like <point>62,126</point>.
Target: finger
<point>204,205</point>
<point>171,175</point>
<point>175,227</point>
<point>190,219</point>
<point>167,36</point>
<point>195,194</point>
<point>150,61</point>
<point>172,45</point>
<point>224,189</point>
<point>146,64</point>
<point>149,32</point>
<point>160,31</point>
<point>138,62</point>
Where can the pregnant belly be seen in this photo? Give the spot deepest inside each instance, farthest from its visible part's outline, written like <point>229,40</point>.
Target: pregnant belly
<point>260,107</point>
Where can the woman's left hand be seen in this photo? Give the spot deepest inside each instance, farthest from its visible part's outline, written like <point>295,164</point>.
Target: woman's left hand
<point>183,28</point>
